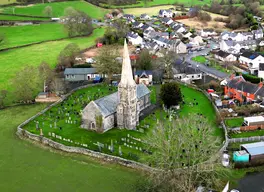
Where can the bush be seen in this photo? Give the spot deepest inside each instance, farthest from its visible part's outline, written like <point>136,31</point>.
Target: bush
<point>170,94</point>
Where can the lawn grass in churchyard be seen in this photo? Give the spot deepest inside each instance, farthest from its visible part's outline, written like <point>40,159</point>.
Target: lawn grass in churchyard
<point>58,9</point>
<point>234,122</point>
<point>31,34</point>
<point>12,61</point>
<point>68,120</point>
<point>26,167</point>
<point>20,18</point>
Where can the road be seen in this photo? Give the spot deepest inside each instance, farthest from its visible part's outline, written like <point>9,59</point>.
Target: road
<point>208,70</point>
<point>252,183</point>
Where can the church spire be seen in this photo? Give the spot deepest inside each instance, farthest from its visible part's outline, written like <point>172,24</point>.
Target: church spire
<point>126,76</point>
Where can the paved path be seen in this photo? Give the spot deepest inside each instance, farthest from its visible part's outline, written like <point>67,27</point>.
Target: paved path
<point>208,70</point>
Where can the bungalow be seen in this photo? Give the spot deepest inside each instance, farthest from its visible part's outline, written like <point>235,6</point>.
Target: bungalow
<point>137,25</point>
<point>179,29</point>
<point>145,16</point>
<point>185,73</point>
<point>225,57</point>
<point>153,34</point>
<point>80,74</point>
<point>196,39</point>
<point>134,38</point>
<point>207,32</point>
<point>241,90</point>
<point>252,60</point>
<point>178,47</point>
<point>143,76</point>
<point>146,27</point>
<point>166,20</point>
<point>165,13</point>
<point>165,43</point>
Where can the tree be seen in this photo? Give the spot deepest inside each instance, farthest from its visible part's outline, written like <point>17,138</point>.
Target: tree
<point>48,11</point>
<point>166,63</point>
<point>170,94</point>
<point>3,95</point>
<point>145,60</point>
<point>77,22</point>
<point>46,75</point>
<point>107,63</point>
<point>57,85</point>
<point>27,83</point>
<point>67,56</point>
<point>184,150</point>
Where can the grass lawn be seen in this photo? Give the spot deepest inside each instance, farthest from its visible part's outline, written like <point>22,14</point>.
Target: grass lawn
<point>118,137</point>
<point>18,18</point>
<point>199,59</point>
<point>13,60</point>
<point>26,167</point>
<point>234,122</point>
<point>31,34</point>
<point>58,9</point>
<point>248,134</point>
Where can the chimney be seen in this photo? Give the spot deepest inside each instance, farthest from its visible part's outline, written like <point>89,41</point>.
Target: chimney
<point>260,84</point>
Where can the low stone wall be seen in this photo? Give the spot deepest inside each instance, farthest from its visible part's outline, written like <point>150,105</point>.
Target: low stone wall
<point>105,157</point>
<point>246,139</point>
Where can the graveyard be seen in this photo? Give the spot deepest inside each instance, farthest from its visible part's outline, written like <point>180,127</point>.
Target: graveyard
<point>62,122</point>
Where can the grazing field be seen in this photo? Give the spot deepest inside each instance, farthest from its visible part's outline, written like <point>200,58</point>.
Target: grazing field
<point>20,18</point>
<point>5,2</point>
<point>234,122</point>
<point>28,167</point>
<point>149,10</point>
<point>12,61</point>
<point>58,9</point>
<point>31,34</point>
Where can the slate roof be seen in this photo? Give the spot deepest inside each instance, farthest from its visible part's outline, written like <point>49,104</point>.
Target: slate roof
<point>108,104</point>
<point>241,85</point>
<point>141,72</point>
<point>254,148</point>
<point>261,67</point>
<point>132,35</point>
<point>79,71</point>
<point>250,55</point>
<point>165,19</point>
<point>222,54</point>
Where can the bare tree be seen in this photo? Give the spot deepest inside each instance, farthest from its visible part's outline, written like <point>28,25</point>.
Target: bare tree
<point>46,74</point>
<point>107,63</point>
<point>58,85</point>
<point>184,150</point>
<point>67,56</point>
<point>48,11</point>
<point>166,63</point>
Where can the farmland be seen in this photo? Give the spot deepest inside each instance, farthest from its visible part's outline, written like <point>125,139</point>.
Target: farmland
<point>57,9</point>
<point>31,34</point>
<point>20,18</point>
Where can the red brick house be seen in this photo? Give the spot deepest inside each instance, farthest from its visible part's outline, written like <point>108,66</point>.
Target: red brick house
<point>241,90</point>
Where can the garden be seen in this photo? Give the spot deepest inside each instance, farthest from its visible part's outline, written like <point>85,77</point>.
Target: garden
<point>62,122</point>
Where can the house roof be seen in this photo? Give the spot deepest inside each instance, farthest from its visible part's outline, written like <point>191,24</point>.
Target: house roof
<point>222,54</point>
<point>79,71</point>
<point>242,85</point>
<point>250,55</point>
<point>108,104</point>
<point>254,148</point>
<point>141,72</point>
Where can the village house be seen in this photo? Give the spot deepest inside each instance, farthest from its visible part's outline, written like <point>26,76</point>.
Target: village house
<point>166,20</point>
<point>179,29</point>
<point>196,39</point>
<point>153,47</point>
<point>165,13</point>
<point>129,16</point>
<point>143,76</point>
<point>186,34</point>
<point>243,91</point>
<point>261,43</point>
<point>258,34</point>
<point>162,42</point>
<point>225,57</point>
<point>252,60</point>
<point>80,74</point>
<point>134,38</point>
<point>178,47</point>
<point>152,34</point>
<point>261,70</point>
<point>137,25</point>
<point>145,16</point>
<point>146,27</point>
<point>207,32</point>
<point>235,47</point>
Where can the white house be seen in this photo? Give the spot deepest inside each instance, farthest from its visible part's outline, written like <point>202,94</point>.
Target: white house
<point>143,76</point>
<point>186,73</point>
<point>162,42</point>
<point>225,57</point>
<point>261,43</point>
<point>207,32</point>
<point>145,16</point>
<point>258,34</point>
<point>137,25</point>
<point>167,20</point>
<point>178,47</point>
<point>186,34</point>
<point>146,27</point>
<point>252,60</point>
<point>231,36</point>
<point>165,13</point>
<point>235,47</point>
<point>134,38</point>
<point>196,39</point>
<point>179,29</point>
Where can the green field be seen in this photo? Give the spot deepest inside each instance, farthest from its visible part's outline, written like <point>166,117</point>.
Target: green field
<point>234,122</point>
<point>58,9</point>
<point>26,167</point>
<point>12,61</point>
<point>4,2</point>
<point>31,34</point>
<point>20,18</point>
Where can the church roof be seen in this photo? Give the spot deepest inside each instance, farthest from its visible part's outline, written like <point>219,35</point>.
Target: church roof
<point>108,104</point>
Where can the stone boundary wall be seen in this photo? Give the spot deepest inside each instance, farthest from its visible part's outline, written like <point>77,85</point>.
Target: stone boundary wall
<point>246,139</point>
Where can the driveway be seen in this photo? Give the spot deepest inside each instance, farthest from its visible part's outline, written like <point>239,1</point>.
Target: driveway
<point>252,183</point>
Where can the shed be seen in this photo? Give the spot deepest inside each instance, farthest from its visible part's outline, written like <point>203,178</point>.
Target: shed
<point>255,150</point>
<point>241,156</point>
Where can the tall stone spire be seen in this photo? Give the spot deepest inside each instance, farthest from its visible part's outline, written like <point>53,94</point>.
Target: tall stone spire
<point>126,76</point>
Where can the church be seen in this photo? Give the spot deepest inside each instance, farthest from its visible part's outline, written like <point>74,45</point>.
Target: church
<point>121,109</point>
